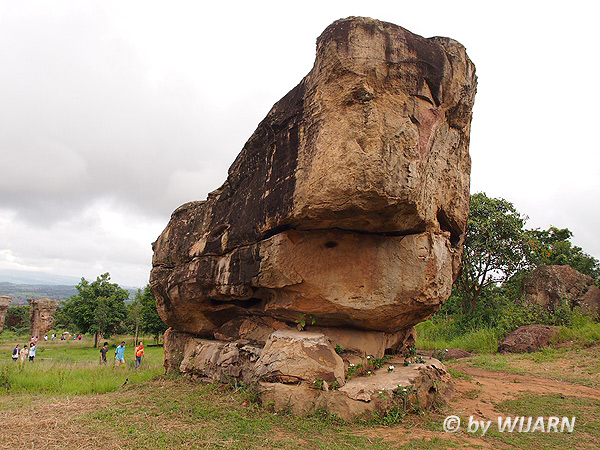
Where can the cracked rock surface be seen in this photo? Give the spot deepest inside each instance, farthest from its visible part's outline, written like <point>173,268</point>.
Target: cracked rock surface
<point>349,202</point>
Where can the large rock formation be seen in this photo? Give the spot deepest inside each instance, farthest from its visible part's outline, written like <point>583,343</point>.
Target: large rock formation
<point>4,303</point>
<point>347,206</point>
<point>41,315</point>
<point>549,286</point>
<point>349,202</point>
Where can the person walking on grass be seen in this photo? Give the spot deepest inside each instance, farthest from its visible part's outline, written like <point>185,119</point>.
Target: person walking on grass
<point>32,350</point>
<point>24,353</point>
<point>120,354</point>
<point>103,351</point>
<point>16,353</point>
<point>139,355</point>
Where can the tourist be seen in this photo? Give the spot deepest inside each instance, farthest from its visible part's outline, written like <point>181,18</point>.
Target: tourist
<point>103,351</point>
<point>46,337</point>
<point>79,336</point>
<point>16,353</point>
<point>120,354</point>
<point>139,355</point>
<point>35,339</point>
<point>32,350</point>
<point>24,353</point>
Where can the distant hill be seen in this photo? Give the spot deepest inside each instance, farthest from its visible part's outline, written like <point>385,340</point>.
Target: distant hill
<point>27,277</point>
<point>21,285</point>
<point>21,292</point>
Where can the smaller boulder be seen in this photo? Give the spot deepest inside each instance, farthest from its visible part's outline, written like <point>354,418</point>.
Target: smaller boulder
<point>291,356</point>
<point>251,328</point>
<point>527,339</point>
<point>448,354</point>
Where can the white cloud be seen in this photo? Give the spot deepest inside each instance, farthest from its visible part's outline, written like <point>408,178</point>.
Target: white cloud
<point>115,113</point>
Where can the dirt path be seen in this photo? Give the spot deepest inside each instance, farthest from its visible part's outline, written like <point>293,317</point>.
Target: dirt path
<point>478,395</point>
<point>40,422</point>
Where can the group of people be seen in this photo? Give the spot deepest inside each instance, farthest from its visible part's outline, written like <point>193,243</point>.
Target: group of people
<point>20,354</point>
<point>120,354</point>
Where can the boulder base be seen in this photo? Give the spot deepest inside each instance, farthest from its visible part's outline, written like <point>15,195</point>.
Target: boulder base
<point>301,371</point>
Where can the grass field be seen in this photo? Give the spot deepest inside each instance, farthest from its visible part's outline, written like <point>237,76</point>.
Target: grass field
<point>74,402</point>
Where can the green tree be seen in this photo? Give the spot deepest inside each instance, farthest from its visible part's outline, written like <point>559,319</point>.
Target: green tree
<point>17,318</point>
<point>99,308</point>
<point>553,247</point>
<point>493,248</point>
<point>150,321</point>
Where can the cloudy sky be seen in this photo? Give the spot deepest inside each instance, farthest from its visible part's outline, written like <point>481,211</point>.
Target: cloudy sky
<point>114,113</point>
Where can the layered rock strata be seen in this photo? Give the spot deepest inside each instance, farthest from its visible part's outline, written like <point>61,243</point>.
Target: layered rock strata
<point>41,315</point>
<point>346,210</point>
<point>348,203</point>
<point>4,304</point>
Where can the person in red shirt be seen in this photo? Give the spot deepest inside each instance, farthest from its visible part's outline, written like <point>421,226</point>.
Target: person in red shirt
<point>139,355</point>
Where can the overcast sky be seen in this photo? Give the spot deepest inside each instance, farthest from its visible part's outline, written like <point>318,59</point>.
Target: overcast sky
<point>114,113</point>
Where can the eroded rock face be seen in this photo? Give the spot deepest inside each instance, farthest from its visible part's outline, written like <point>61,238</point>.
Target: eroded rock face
<point>344,214</point>
<point>548,286</point>
<point>4,304</point>
<point>348,203</point>
<point>301,372</point>
<point>41,315</point>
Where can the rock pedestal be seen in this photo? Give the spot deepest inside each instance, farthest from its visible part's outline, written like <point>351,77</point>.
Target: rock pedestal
<point>302,372</point>
<point>346,209</point>
<point>41,315</point>
<point>4,304</point>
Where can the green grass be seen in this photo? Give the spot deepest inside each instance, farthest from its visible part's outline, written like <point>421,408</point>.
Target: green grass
<point>583,333</point>
<point>72,368</point>
<point>214,417</point>
<point>586,411</point>
<point>442,335</point>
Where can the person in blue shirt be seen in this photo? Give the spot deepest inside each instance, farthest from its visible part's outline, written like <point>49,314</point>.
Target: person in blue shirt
<point>120,354</point>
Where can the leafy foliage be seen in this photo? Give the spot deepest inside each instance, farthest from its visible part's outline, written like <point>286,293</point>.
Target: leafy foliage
<point>99,308</point>
<point>493,250</point>
<point>553,247</point>
<point>17,318</point>
<point>151,322</point>
<point>499,252</point>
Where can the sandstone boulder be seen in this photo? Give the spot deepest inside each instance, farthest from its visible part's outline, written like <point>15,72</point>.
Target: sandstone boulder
<point>41,315</point>
<point>449,354</point>
<point>4,304</point>
<point>294,356</point>
<point>348,203</point>
<point>527,339</point>
<point>344,214</point>
<point>419,385</point>
<point>549,286</point>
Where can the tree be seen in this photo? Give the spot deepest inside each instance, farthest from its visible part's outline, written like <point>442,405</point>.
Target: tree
<point>493,248</point>
<point>151,322</point>
<point>99,308</point>
<point>553,247</point>
<point>17,318</point>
